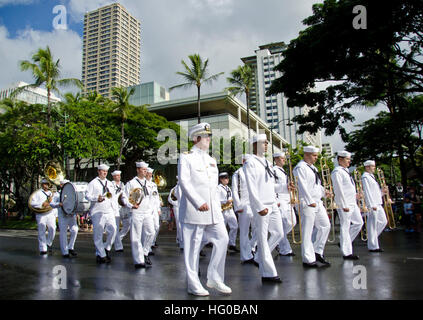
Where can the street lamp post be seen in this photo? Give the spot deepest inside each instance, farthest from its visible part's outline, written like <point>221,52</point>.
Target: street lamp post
<point>271,134</point>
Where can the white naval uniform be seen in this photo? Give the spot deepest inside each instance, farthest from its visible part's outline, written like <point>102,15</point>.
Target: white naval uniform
<point>225,194</point>
<point>44,220</point>
<point>122,214</point>
<point>156,208</point>
<point>376,220</point>
<point>175,203</point>
<point>142,225</point>
<point>261,190</point>
<point>345,197</point>
<point>65,221</point>
<point>311,191</point>
<point>289,220</point>
<point>102,215</point>
<point>239,187</point>
<point>198,178</point>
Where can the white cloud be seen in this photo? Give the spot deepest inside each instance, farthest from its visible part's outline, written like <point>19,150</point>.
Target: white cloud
<point>15,2</point>
<point>65,45</point>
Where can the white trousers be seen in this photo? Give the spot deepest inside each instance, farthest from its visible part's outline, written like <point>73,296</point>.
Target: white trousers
<point>231,221</point>
<point>101,222</point>
<point>142,235</point>
<point>245,242</point>
<point>46,220</point>
<point>313,218</point>
<point>270,223</point>
<point>376,223</point>
<point>289,221</point>
<point>156,220</point>
<point>66,221</point>
<point>351,223</point>
<point>120,234</point>
<point>193,236</point>
<point>179,236</point>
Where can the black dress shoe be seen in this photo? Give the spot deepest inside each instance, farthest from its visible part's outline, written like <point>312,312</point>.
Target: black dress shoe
<point>271,279</point>
<point>66,256</point>
<point>155,245</point>
<point>322,260</point>
<point>377,250</point>
<point>72,253</point>
<point>351,257</point>
<point>209,245</point>
<point>310,265</point>
<point>100,260</point>
<point>141,265</point>
<point>291,254</point>
<point>147,261</point>
<point>250,261</point>
<point>121,250</point>
<point>151,253</point>
<point>202,253</point>
<point>233,248</point>
<point>42,253</point>
<point>50,249</point>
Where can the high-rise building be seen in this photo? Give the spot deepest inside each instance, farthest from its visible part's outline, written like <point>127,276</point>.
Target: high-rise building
<point>111,49</point>
<point>273,109</point>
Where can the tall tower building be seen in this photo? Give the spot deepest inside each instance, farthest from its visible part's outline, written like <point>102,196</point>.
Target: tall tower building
<point>273,109</point>
<point>111,49</point>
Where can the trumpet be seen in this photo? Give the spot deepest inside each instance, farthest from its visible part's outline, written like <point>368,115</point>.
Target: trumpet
<point>294,200</point>
<point>329,203</point>
<point>387,201</point>
<point>361,204</point>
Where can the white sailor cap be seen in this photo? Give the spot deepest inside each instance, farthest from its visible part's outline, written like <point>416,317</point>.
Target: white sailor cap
<point>199,129</point>
<point>141,164</point>
<point>369,163</point>
<point>259,137</point>
<point>223,174</point>
<point>44,180</point>
<point>103,167</point>
<point>344,154</point>
<point>279,154</point>
<point>64,181</point>
<point>150,170</point>
<point>116,172</point>
<point>311,149</point>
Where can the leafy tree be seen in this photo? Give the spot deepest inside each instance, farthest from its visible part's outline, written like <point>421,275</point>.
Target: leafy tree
<point>196,74</point>
<point>46,72</point>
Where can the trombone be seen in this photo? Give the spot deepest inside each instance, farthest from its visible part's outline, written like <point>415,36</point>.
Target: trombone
<point>294,200</point>
<point>387,201</point>
<point>361,204</point>
<point>329,203</point>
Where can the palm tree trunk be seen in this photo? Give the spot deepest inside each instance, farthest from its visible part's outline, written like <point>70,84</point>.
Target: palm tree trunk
<point>198,104</point>
<point>48,109</point>
<point>122,131</point>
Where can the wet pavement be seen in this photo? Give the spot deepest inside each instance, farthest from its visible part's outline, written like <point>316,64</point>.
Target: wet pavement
<point>24,274</point>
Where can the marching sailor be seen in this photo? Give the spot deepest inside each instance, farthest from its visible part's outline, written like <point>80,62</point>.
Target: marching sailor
<point>282,188</point>
<point>65,221</point>
<point>346,200</point>
<point>174,198</point>
<point>260,178</point>
<point>99,193</point>
<point>156,206</point>
<point>201,214</point>
<point>121,213</point>
<point>142,217</point>
<point>41,200</point>
<point>376,221</point>
<point>313,213</point>
<point>226,201</point>
<point>245,215</point>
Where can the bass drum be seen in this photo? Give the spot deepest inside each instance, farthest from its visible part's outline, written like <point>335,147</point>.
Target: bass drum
<point>73,198</point>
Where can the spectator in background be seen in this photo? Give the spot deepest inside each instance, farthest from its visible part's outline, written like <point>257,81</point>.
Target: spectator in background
<point>408,214</point>
<point>417,206</point>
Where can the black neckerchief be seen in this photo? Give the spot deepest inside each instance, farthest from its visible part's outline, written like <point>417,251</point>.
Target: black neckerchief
<point>352,180</point>
<point>105,189</point>
<point>45,194</point>
<point>228,191</point>
<point>267,168</point>
<point>144,187</point>
<point>286,176</point>
<point>118,187</point>
<point>316,174</point>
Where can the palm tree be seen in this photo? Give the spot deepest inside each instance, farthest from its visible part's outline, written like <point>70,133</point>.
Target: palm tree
<point>122,107</point>
<point>196,75</point>
<point>45,72</point>
<point>241,81</point>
